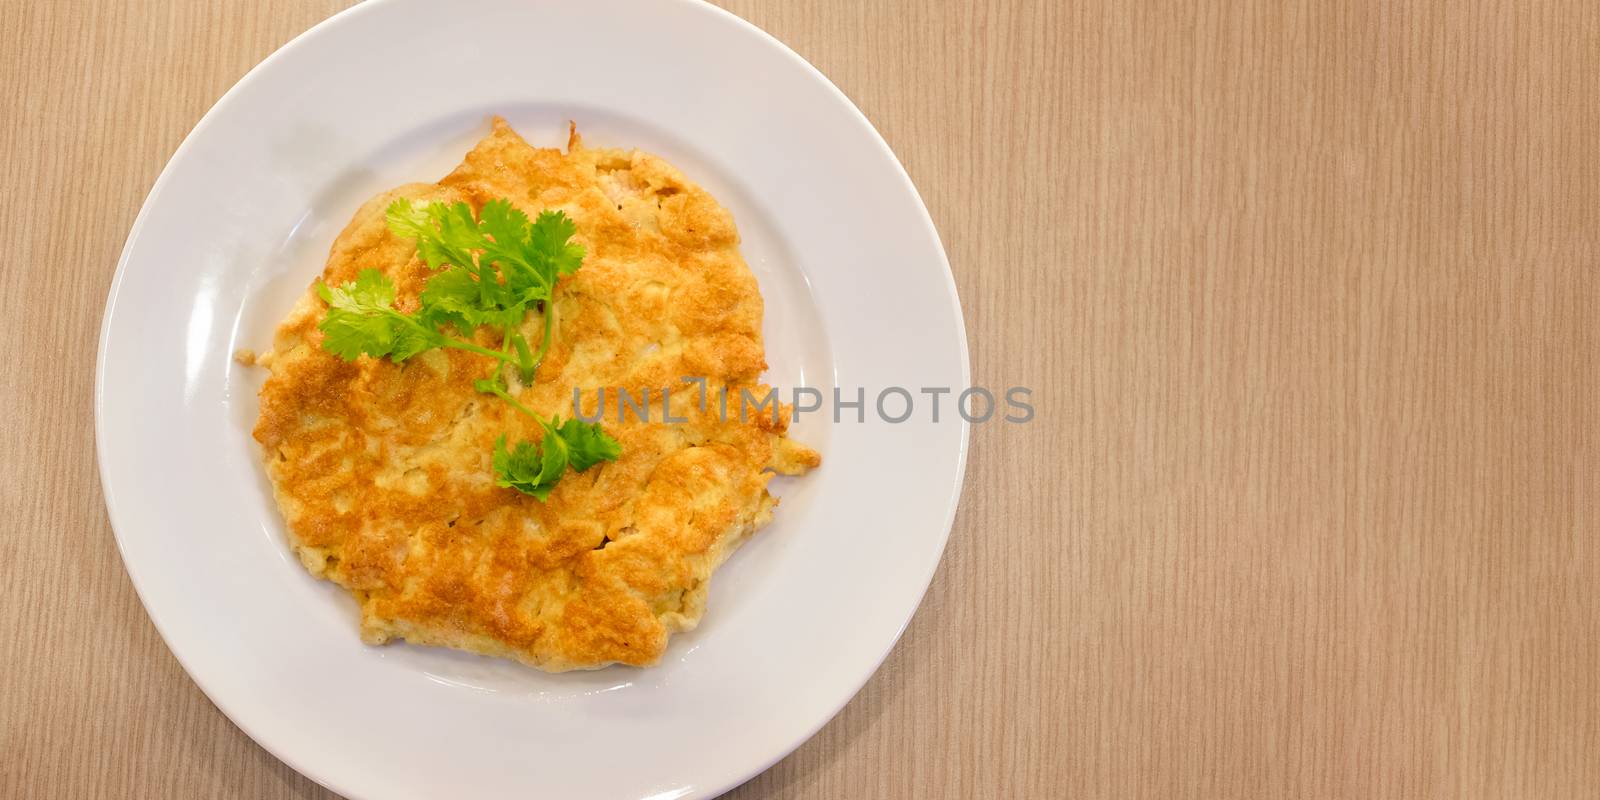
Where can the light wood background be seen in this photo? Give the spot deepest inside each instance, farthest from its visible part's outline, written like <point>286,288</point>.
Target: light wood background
<point>1307,292</point>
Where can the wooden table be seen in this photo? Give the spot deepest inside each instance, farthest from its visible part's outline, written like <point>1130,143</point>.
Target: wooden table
<point>1307,293</point>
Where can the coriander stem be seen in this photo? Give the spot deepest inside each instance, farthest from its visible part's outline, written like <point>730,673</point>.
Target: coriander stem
<point>506,396</point>
<point>524,358</point>
<point>462,344</point>
<point>544,343</point>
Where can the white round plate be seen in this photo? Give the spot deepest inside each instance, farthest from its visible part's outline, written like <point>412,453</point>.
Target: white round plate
<point>858,296</point>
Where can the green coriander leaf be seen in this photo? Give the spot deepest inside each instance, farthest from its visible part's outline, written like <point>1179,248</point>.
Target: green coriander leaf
<point>535,469</point>
<point>408,221</point>
<point>412,339</point>
<point>370,289</point>
<point>527,467</point>
<point>587,444</point>
<point>503,316</point>
<point>457,234</point>
<point>548,241</point>
<point>362,319</point>
<point>507,226</point>
<point>452,296</point>
<point>554,463</point>
<point>445,234</point>
<point>348,334</point>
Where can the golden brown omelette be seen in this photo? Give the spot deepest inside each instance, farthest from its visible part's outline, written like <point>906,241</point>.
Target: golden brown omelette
<point>382,470</point>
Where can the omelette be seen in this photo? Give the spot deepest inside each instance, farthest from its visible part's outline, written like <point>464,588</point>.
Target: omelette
<point>383,473</point>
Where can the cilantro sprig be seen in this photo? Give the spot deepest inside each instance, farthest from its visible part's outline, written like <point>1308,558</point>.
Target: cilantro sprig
<point>492,270</point>
<point>495,267</point>
<point>535,468</point>
<point>362,319</point>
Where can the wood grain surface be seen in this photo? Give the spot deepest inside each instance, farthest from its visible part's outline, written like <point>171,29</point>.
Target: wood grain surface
<point>1307,295</point>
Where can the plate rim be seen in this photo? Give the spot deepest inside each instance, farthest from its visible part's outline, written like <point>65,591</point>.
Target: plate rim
<point>343,17</point>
